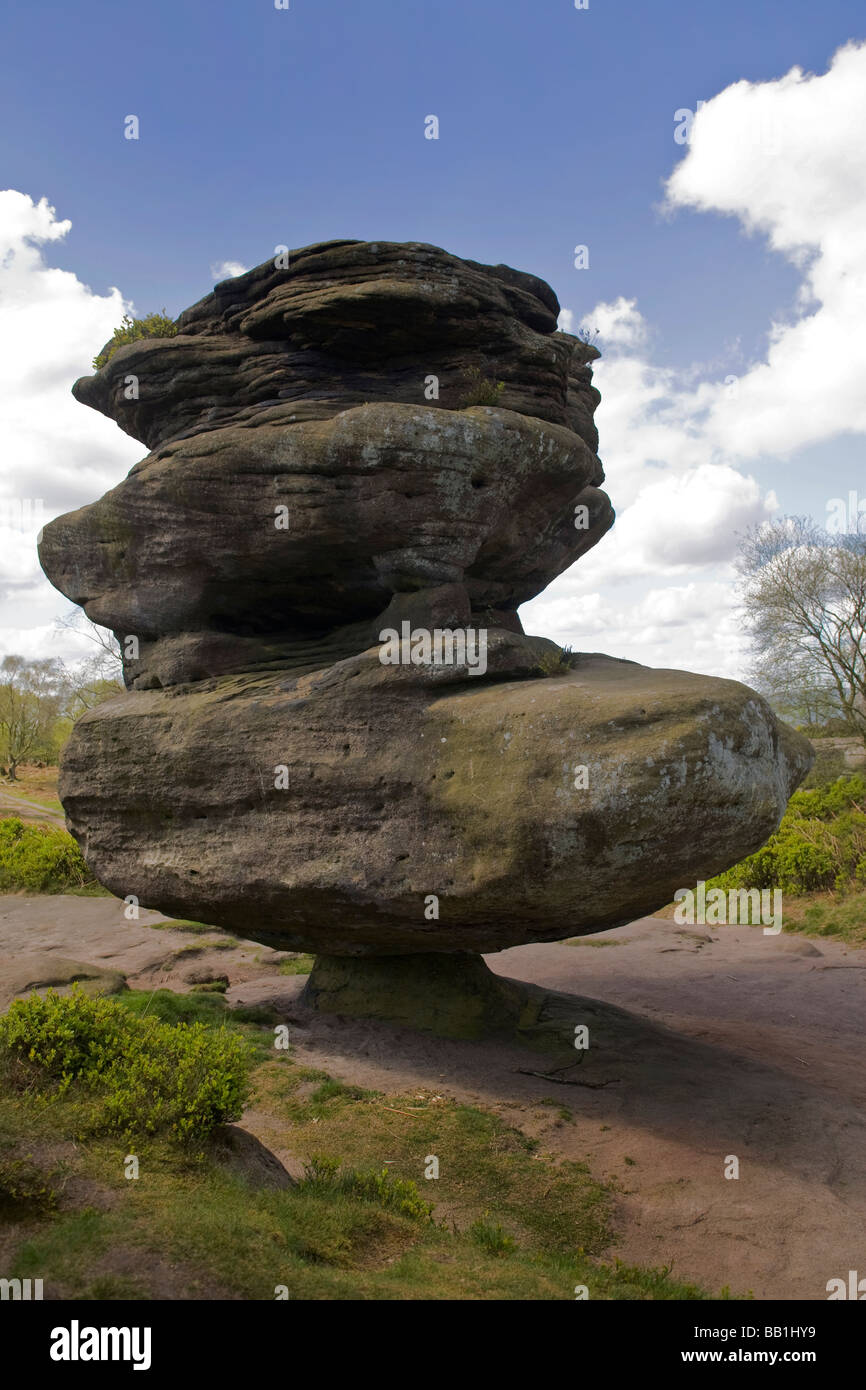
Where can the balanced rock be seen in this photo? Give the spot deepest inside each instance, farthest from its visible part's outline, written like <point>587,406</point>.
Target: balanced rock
<point>337,737</point>
<point>528,810</point>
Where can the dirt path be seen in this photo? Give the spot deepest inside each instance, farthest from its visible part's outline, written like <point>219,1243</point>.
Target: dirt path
<point>704,1044</point>
<point>29,810</point>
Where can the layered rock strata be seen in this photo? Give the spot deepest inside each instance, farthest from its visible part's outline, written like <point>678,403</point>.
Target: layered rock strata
<point>381,438</point>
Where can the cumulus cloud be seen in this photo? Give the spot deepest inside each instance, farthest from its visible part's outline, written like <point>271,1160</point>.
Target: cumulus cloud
<point>56,454</point>
<point>620,324</point>
<point>784,159</point>
<point>227,270</point>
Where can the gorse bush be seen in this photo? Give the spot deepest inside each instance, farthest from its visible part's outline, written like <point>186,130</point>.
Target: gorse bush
<point>820,844</point>
<point>130,330</point>
<point>148,1077</point>
<point>39,859</point>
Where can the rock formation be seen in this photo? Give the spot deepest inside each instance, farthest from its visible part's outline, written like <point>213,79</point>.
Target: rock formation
<point>381,439</point>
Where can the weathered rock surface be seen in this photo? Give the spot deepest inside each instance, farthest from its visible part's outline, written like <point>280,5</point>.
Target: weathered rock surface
<point>347,323</point>
<point>267,772</point>
<point>301,480</point>
<point>381,500</point>
<point>402,785</point>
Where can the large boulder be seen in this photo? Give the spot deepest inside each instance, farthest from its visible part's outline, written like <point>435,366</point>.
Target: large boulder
<point>366,440</point>
<point>384,810</point>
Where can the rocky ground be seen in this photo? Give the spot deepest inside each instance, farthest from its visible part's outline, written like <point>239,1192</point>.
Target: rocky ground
<point>704,1044</point>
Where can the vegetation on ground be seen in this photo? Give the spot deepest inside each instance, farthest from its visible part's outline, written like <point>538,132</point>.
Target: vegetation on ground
<point>134,1073</point>
<point>817,858</point>
<point>501,1221</point>
<point>41,859</point>
<point>820,844</point>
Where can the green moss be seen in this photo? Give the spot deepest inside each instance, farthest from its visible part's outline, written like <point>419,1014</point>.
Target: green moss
<point>452,996</point>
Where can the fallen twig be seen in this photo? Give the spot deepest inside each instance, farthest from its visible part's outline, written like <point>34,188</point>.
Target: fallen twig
<point>564,1080</point>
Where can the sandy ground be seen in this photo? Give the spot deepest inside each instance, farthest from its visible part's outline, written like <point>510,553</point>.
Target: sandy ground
<point>705,1044</point>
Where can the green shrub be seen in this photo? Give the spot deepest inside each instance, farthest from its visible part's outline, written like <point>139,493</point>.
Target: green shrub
<point>480,390</point>
<point>24,1189</point>
<point>555,663</point>
<point>148,1076</point>
<point>39,859</point>
<point>130,330</point>
<point>820,844</point>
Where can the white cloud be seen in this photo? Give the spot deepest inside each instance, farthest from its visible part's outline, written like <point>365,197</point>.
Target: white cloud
<point>56,454</point>
<point>565,322</point>
<point>227,270</point>
<point>785,158</point>
<point>620,324</point>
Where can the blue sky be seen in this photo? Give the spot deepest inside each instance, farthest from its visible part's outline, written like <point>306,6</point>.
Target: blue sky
<point>261,127</point>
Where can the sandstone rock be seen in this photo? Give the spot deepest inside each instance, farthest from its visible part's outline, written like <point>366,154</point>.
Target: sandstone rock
<point>406,782</point>
<point>346,323</point>
<point>381,500</point>
<point>309,493</point>
<point>33,973</point>
<point>303,477</point>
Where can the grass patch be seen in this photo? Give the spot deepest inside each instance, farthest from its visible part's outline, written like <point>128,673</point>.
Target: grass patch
<point>40,859</point>
<point>597,945</point>
<point>298,965</point>
<point>828,916</point>
<point>196,948</point>
<point>491,1238</point>
<point>323,1174</point>
<point>181,924</point>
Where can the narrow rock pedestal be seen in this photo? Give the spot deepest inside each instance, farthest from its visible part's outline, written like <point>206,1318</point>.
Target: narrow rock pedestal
<point>452,996</point>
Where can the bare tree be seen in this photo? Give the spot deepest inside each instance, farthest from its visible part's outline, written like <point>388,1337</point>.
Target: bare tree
<point>804,598</point>
<point>94,678</point>
<point>108,655</point>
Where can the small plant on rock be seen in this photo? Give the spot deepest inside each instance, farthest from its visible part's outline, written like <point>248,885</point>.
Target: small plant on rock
<point>151,326</point>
